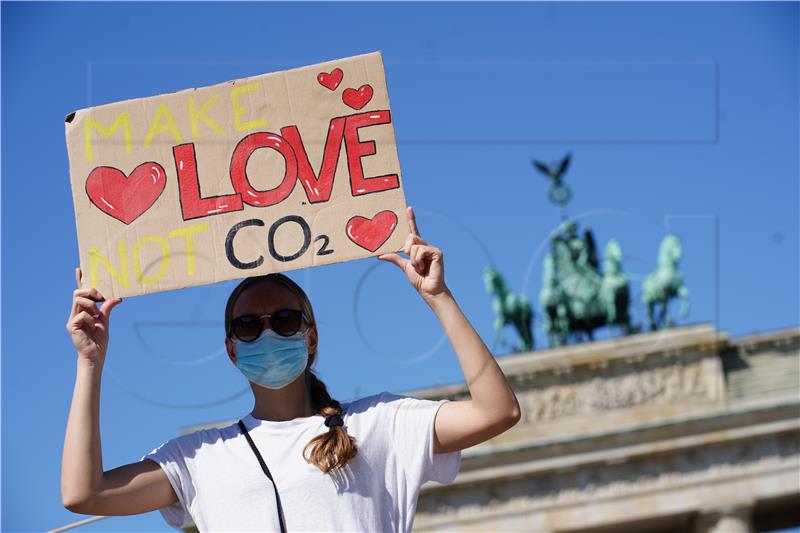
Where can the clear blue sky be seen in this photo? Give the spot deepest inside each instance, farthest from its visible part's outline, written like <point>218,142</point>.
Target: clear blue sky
<point>680,117</point>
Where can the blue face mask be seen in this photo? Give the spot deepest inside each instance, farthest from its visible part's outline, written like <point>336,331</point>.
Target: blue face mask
<point>271,360</point>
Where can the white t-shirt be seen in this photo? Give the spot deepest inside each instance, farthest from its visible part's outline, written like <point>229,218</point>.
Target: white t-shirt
<point>221,487</point>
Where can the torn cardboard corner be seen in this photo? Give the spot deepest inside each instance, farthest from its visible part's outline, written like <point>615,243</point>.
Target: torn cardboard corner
<point>264,174</point>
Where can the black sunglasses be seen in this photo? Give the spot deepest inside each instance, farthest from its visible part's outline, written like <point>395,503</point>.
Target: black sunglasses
<point>284,322</point>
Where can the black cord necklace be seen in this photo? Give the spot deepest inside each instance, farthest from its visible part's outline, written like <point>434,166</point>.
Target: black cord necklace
<point>266,472</point>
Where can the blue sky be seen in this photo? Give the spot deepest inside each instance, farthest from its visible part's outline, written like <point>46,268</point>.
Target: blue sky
<point>680,116</point>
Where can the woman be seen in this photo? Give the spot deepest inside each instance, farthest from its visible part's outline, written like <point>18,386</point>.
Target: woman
<point>300,460</point>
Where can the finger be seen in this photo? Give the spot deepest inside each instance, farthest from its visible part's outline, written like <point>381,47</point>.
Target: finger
<point>395,259</point>
<point>90,292</point>
<point>412,220</point>
<point>415,259</point>
<point>422,251</point>
<point>437,259</point>
<point>85,304</point>
<point>412,250</point>
<point>83,319</point>
<point>107,307</point>
<point>80,320</point>
<point>411,240</point>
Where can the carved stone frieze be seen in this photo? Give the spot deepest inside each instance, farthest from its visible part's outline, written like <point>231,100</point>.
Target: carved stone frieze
<point>618,388</point>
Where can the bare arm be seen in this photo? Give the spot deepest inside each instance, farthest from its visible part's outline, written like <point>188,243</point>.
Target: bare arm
<point>85,487</point>
<point>493,407</point>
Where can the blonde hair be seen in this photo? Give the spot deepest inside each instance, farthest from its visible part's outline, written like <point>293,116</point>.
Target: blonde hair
<point>334,448</point>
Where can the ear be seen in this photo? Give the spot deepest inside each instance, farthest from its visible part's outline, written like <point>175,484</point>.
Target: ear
<point>231,349</point>
<point>311,339</point>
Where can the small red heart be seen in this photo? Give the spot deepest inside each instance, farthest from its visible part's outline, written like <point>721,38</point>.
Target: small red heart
<point>357,98</point>
<point>371,233</point>
<point>123,197</point>
<point>330,80</point>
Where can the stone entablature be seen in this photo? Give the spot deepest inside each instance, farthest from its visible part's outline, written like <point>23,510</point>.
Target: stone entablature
<point>685,475</point>
<point>610,383</point>
<point>638,430</point>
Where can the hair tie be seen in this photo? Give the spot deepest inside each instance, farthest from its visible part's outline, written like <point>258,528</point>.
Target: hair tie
<point>334,420</point>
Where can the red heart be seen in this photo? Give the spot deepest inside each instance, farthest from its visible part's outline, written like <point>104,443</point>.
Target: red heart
<point>122,197</point>
<point>357,98</point>
<point>371,233</point>
<point>330,80</point>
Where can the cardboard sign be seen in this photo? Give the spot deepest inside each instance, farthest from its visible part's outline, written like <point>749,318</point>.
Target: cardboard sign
<point>271,173</point>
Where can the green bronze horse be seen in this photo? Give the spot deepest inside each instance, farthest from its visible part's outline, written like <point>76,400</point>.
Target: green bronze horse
<point>509,308</point>
<point>614,293</point>
<point>553,301</point>
<point>666,283</point>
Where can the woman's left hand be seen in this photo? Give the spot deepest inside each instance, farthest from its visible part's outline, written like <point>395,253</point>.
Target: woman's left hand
<point>425,266</point>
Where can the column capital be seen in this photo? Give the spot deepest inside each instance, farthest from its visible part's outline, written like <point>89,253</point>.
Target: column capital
<point>725,518</point>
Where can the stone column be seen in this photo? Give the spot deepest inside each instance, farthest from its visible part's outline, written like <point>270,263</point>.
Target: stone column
<point>725,520</point>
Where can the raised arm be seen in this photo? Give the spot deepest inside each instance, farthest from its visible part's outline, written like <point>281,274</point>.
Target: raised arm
<point>493,407</point>
<point>85,488</point>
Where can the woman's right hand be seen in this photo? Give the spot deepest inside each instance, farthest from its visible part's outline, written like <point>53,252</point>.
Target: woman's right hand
<point>88,325</point>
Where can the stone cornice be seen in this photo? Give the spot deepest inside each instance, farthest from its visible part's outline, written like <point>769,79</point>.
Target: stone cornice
<point>599,354</point>
<point>778,337</point>
<point>618,455</point>
<point>722,419</point>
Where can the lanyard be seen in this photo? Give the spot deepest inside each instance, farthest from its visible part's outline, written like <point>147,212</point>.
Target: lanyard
<point>266,471</point>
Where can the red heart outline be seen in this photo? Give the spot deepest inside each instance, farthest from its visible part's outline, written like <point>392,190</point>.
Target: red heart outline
<point>357,98</point>
<point>126,197</point>
<point>371,233</point>
<point>330,80</point>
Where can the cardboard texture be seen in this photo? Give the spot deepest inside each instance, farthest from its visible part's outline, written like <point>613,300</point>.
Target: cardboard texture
<point>270,173</point>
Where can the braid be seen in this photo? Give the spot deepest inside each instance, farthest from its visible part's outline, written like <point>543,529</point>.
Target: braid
<point>335,448</point>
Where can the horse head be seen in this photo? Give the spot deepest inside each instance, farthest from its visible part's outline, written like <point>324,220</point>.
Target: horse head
<point>493,280</point>
<point>612,257</point>
<point>670,251</point>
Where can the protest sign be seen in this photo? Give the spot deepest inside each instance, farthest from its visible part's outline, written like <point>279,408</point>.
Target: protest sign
<point>265,174</point>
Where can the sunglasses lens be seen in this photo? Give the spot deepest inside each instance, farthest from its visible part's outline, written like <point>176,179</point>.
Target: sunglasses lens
<point>286,321</point>
<point>247,328</point>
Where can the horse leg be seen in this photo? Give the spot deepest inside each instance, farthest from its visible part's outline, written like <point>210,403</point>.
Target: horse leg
<point>499,323</point>
<point>663,313</point>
